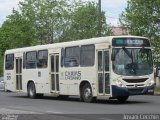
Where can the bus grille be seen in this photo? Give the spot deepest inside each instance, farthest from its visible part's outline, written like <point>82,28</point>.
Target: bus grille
<point>135,80</point>
<point>135,91</point>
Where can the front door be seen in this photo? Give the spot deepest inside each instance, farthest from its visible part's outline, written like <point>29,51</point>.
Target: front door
<point>103,72</point>
<point>18,73</point>
<point>54,72</point>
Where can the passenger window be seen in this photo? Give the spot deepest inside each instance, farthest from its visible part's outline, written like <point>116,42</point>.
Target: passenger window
<point>24,60</point>
<point>9,62</point>
<point>31,60</point>
<point>42,59</point>
<point>87,55</point>
<point>62,57</point>
<point>72,56</point>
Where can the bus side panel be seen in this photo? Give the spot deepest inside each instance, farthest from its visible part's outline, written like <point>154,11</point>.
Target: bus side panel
<point>43,81</point>
<point>9,80</point>
<point>63,88</point>
<point>70,79</point>
<point>69,88</point>
<point>40,79</point>
<point>89,74</point>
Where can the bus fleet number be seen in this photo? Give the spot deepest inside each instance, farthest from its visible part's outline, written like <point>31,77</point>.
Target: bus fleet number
<point>8,77</point>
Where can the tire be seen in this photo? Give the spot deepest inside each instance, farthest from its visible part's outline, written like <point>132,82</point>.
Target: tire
<point>31,90</point>
<point>122,99</point>
<point>86,94</point>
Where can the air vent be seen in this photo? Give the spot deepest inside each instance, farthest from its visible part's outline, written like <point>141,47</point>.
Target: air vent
<point>135,80</point>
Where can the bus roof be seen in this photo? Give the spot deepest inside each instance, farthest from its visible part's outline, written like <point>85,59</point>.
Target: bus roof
<point>107,39</point>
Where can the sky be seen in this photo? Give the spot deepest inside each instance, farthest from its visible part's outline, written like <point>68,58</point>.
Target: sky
<point>112,9</point>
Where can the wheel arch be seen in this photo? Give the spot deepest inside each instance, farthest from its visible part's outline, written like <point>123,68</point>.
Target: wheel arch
<point>30,81</point>
<point>82,83</point>
<point>31,89</point>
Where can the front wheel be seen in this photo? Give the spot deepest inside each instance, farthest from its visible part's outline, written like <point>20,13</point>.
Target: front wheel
<point>31,90</point>
<point>87,95</point>
<point>122,99</point>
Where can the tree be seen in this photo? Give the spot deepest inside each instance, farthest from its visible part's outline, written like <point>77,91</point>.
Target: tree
<point>57,20</point>
<point>1,65</point>
<point>50,21</point>
<point>15,32</point>
<point>142,17</point>
<point>48,17</point>
<point>84,23</point>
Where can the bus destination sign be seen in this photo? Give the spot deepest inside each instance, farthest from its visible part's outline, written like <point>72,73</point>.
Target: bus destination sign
<point>130,42</point>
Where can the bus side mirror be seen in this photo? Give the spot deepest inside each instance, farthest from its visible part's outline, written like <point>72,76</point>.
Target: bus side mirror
<point>113,56</point>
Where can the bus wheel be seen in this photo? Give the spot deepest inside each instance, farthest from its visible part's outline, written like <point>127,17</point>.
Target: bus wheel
<point>31,90</point>
<point>87,93</point>
<point>122,99</point>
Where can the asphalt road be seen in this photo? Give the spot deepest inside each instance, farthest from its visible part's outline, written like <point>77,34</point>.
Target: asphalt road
<point>49,107</point>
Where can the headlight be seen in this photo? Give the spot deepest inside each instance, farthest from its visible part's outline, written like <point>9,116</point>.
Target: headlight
<point>119,83</point>
<point>151,83</point>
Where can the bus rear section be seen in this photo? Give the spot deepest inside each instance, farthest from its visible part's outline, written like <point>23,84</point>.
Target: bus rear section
<point>9,72</point>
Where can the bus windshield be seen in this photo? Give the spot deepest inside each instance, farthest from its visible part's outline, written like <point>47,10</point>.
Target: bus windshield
<point>132,61</point>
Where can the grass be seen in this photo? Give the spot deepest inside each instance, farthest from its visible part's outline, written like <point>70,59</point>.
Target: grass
<point>157,89</point>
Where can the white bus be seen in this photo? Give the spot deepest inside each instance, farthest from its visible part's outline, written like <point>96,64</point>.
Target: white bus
<point>113,67</point>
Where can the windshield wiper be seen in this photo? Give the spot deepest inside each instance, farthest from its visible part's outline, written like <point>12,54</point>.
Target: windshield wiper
<point>127,52</point>
<point>132,66</point>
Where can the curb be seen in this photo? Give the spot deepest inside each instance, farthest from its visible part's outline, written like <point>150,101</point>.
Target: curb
<point>156,93</point>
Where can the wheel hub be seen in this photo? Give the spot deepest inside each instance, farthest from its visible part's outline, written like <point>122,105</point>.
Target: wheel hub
<point>31,91</point>
<point>87,93</point>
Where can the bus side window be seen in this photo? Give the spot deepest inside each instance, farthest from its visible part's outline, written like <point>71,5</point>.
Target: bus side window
<point>87,55</point>
<point>31,60</point>
<point>24,60</point>
<point>62,57</point>
<point>72,56</point>
<point>9,62</point>
<point>42,59</point>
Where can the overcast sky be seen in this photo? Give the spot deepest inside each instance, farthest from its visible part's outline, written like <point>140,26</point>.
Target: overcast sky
<point>112,8</point>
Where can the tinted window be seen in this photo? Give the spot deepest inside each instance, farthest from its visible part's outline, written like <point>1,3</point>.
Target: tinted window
<point>72,56</point>
<point>31,58</point>
<point>52,64</point>
<point>9,62</point>
<point>42,59</point>
<point>57,63</point>
<point>24,60</point>
<point>87,55</point>
<point>62,57</point>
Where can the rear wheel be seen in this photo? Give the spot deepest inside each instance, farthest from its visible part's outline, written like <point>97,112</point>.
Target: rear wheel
<point>122,99</point>
<point>86,94</point>
<point>31,90</point>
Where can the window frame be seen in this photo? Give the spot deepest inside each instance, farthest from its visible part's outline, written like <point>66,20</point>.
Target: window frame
<point>10,61</point>
<point>26,66</point>
<point>73,60</point>
<point>81,56</point>
<point>41,59</point>
<point>24,60</point>
<point>62,56</point>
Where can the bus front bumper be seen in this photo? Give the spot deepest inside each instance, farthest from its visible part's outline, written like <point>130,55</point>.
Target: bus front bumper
<point>122,91</point>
